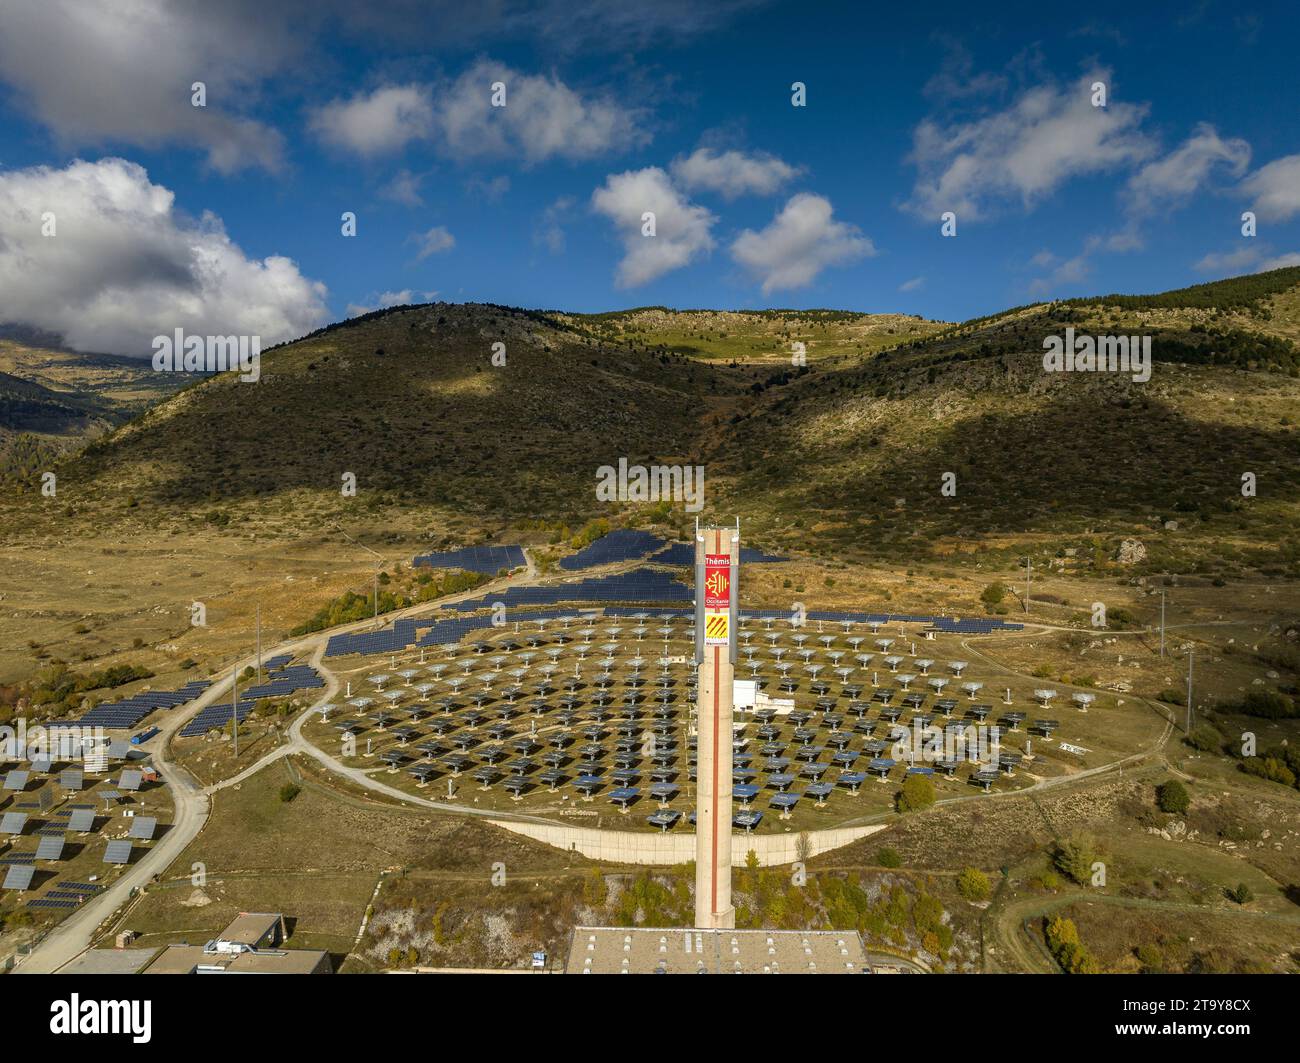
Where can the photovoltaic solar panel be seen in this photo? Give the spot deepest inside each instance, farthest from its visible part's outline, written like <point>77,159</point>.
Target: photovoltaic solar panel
<point>83,819</point>
<point>118,852</point>
<point>13,823</point>
<point>71,778</point>
<point>16,780</point>
<point>50,848</point>
<point>624,544</point>
<point>485,559</point>
<point>143,827</point>
<point>19,877</point>
<point>130,780</point>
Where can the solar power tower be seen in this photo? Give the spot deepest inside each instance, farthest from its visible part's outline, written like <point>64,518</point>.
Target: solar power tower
<point>717,564</point>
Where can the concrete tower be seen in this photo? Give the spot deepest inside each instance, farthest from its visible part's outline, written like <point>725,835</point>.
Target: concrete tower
<point>717,566</point>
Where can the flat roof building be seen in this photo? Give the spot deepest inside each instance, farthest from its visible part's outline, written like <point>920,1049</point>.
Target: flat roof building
<point>246,946</point>
<point>654,950</point>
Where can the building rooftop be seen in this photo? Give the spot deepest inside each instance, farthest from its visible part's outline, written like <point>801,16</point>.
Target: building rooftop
<point>638,950</point>
<point>191,959</point>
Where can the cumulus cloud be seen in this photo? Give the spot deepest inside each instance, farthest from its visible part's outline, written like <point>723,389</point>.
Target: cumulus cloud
<point>543,118</point>
<point>96,72</point>
<point>124,265</point>
<point>549,231</point>
<point>1173,179</point>
<point>373,123</point>
<point>404,188</point>
<point>1253,258</point>
<point>1275,189</point>
<point>682,229</point>
<point>732,173</point>
<point>433,241</point>
<point>801,241</point>
<point>1023,153</point>
<point>383,300</point>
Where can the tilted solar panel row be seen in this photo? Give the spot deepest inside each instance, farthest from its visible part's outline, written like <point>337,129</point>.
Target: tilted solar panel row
<point>131,710</point>
<point>624,544</point>
<point>684,554</point>
<point>484,559</point>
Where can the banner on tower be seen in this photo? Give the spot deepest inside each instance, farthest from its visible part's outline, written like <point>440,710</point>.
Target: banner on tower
<point>715,628</point>
<point>717,581</point>
<point>717,599</point>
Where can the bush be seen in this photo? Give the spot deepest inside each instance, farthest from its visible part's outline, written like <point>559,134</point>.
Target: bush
<point>993,594</point>
<point>1240,893</point>
<point>1063,942</point>
<point>973,884</point>
<point>1074,858</point>
<point>888,857</point>
<point>289,791</point>
<point>1173,797</point>
<point>1268,705</point>
<point>1206,738</point>
<point>917,794</point>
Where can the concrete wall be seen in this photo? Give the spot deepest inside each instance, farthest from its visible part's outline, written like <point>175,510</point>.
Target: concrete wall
<point>677,847</point>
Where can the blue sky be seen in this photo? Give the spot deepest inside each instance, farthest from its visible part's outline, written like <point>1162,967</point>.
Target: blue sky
<point>227,217</point>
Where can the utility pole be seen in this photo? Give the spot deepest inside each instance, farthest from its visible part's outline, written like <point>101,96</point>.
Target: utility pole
<point>1191,654</point>
<point>234,709</point>
<point>1162,623</point>
<point>376,597</point>
<point>1027,583</point>
<point>259,642</point>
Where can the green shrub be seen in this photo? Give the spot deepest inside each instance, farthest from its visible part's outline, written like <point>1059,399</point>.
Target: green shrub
<point>1173,797</point>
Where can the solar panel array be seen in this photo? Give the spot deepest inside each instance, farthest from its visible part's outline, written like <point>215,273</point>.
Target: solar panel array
<point>283,683</point>
<point>130,711</point>
<point>485,559</point>
<point>642,585</point>
<point>835,744</point>
<point>623,544</point>
<point>684,554</point>
<point>639,585</point>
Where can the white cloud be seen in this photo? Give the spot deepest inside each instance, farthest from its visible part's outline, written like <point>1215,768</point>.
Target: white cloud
<point>125,266</point>
<point>1252,259</point>
<point>1291,258</point>
<point>434,241</point>
<point>549,231</point>
<point>732,173</point>
<point>1174,178</point>
<point>489,188</point>
<point>682,229</point>
<point>374,123</point>
<point>1238,261</point>
<point>542,119</point>
<point>1275,189</point>
<point>384,300</point>
<point>404,188</point>
<point>99,72</point>
<point>1025,152</point>
<point>801,241</point>
<point>913,285</point>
